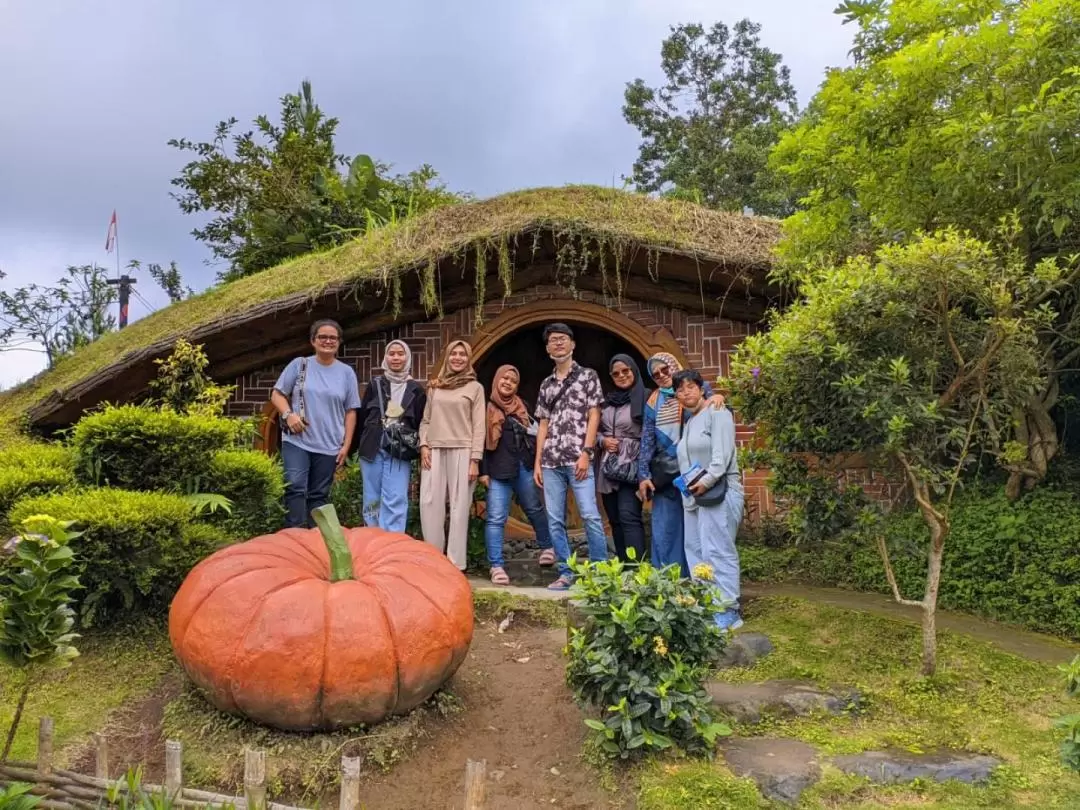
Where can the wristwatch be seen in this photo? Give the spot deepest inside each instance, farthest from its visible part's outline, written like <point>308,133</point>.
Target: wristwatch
<point>286,415</point>
<point>588,451</point>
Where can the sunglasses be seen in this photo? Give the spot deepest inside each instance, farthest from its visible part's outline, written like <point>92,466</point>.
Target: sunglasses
<point>619,373</point>
<point>662,371</point>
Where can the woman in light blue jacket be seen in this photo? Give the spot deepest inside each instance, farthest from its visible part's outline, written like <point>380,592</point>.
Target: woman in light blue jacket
<point>713,497</point>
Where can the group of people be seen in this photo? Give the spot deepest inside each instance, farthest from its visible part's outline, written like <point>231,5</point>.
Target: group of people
<point>673,447</point>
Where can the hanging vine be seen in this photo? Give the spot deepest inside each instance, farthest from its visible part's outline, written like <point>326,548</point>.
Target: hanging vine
<point>481,281</point>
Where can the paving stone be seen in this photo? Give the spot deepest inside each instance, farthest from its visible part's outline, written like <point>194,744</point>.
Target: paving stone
<point>745,649</point>
<point>892,767</point>
<point>782,768</point>
<point>747,702</point>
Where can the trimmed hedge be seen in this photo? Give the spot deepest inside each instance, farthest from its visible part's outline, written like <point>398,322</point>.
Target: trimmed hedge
<point>255,483</point>
<point>1012,562</point>
<point>32,468</point>
<point>140,448</point>
<point>135,549</point>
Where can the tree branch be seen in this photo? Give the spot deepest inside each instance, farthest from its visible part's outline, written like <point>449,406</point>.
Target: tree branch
<point>890,575</point>
<point>919,499</point>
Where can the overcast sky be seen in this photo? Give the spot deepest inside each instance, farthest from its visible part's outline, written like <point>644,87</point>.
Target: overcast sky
<point>495,94</point>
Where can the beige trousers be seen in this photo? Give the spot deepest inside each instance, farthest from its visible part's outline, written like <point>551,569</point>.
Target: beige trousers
<point>447,478</point>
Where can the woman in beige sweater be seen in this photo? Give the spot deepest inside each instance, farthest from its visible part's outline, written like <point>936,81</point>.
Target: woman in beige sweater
<point>451,445</point>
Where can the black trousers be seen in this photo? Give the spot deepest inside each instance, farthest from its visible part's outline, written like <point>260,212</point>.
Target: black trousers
<point>624,514</point>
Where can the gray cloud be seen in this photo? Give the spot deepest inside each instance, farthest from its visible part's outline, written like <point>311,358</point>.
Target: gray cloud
<point>496,95</point>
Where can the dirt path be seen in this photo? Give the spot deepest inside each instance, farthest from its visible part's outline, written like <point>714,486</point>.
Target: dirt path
<point>520,717</point>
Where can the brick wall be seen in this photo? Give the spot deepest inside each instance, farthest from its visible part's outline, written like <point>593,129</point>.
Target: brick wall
<point>706,341</point>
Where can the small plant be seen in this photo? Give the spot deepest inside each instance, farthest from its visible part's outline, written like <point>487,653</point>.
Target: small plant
<point>648,643</point>
<point>208,503</point>
<point>1070,746</point>
<point>36,618</point>
<point>183,384</point>
<point>16,796</point>
<point>131,795</point>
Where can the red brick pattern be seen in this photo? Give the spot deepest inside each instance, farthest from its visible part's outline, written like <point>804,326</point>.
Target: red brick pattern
<point>707,342</point>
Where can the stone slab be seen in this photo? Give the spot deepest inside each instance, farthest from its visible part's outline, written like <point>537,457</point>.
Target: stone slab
<point>781,768</point>
<point>748,702</point>
<point>744,650</point>
<point>894,767</point>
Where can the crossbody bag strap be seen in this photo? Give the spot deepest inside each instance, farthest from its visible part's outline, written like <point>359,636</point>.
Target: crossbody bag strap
<point>562,390</point>
<point>301,383</point>
<point>378,396</point>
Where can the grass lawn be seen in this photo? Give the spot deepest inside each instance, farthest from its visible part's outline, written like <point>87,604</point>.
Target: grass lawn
<point>982,700</point>
<point>114,667</point>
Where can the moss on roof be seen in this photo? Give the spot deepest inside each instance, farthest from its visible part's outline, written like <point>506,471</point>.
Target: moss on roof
<point>385,253</point>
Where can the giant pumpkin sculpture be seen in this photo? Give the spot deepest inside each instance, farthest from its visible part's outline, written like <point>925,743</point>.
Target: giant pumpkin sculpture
<point>319,629</point>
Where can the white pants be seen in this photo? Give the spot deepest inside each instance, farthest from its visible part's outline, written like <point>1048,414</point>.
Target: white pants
<point>447,478</point>
<point>709,533</point>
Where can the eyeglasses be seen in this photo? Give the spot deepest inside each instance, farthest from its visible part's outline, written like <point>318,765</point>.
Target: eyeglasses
<point>559,339</point>
<point>621,372</point>
<point>327,338</point>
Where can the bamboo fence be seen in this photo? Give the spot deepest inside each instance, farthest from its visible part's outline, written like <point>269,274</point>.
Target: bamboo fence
<point>61,789</point>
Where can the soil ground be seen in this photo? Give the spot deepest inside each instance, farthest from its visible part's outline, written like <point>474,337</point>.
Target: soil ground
<point>517,714</point>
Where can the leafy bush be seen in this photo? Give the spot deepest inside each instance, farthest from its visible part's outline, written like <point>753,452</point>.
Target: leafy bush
<point>648,643</point>
<point>1015,562</point>
<point>183,385</point>
<point>347,494</point>
<point>32,468</point>
<point>36,618</point>
<point>1070,746</point>
<point>255,484</point>
<point>141,448</point>
<point>133,551</point>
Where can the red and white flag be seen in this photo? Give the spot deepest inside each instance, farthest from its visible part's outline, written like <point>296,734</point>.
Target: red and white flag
<point>110,236</point>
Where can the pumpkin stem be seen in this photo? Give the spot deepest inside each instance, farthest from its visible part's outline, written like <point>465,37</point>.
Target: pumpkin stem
<point>334,536</point>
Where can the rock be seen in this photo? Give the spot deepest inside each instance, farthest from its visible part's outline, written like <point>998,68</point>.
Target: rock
<point>745,649</point>
<point>782,768</point>
<point>892,767</point>
<point>576,617</point>
<point>747,702</point>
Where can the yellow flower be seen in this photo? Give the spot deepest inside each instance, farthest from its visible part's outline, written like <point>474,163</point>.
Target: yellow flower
<point>683,600</point>
<point>659,645</point>
<point>42,526</point>
<point>703,571</point>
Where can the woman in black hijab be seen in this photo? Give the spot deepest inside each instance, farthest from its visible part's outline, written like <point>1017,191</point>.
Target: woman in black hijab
<point>619,440</point>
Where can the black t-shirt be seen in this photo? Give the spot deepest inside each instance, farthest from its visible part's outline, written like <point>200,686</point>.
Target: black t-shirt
<point>504,462</point>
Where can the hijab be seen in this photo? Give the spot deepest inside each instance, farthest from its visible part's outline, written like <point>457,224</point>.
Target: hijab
<point>499,407</point>
<point>398,379</point>
<point>634,396</point>
<point>449,379</point>
<point>668,410</point>
<point>664,359</point>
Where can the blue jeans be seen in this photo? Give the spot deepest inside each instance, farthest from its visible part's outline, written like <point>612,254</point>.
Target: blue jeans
<point>667,530</point>
<point>557,481</point>
<point>710,539</point>
<point>499,495</point>
<point>386,492</point>
<point>308,477</point>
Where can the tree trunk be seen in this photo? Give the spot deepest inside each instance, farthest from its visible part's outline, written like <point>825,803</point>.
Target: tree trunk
<point>1035,428</point>
<point>939,530</point>
<point>15,720</point>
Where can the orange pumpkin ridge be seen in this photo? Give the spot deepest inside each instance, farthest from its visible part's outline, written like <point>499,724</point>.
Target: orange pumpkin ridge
<point>322,628</point>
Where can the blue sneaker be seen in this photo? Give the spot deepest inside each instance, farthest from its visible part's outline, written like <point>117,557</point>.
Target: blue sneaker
<point>729,620</point>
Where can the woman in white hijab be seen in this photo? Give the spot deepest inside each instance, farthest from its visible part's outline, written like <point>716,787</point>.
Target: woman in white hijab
<point>389,416</point>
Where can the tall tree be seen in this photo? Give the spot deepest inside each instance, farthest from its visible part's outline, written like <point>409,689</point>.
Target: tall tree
<point>916,358</point>
<point>956,113</point>
<point>282,189</point>
<point>60,318</point>
<point>706,133</point>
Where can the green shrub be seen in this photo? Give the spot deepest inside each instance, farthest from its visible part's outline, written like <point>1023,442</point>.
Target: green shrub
<point>32,468</point>
<point>141,448</point>
<point>647,645</point>
<point>133,551</point>
<point>347,494</point>
<point>255,484</point>
<point>1015,562</point>
<point>1070,746</point>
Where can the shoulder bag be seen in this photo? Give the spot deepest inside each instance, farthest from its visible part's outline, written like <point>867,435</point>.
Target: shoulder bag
<point>298,390</point>
<point>398,439</point>
<point>612,468</point>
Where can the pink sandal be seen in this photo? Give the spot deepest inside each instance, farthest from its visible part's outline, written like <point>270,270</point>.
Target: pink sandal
<point>499,577</point>
<point>547,557</point>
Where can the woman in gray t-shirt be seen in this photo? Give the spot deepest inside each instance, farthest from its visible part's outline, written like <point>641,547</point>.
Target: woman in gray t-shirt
<point>710,524</point>
<point>316,397</point>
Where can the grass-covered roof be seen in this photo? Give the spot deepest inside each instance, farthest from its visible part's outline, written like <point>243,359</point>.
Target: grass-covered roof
<point>585,237</point>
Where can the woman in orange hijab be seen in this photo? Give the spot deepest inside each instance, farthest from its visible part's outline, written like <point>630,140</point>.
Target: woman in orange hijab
<point>506,470</point>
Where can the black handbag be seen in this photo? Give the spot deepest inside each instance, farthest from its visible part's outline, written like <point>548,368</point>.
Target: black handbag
<point>626,472</point>
<point>664,470</point>
<point>398,439</point>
